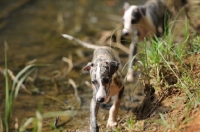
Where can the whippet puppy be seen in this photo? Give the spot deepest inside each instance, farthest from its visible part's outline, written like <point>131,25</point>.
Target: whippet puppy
<point>106,81</point>
<point>144,21</point>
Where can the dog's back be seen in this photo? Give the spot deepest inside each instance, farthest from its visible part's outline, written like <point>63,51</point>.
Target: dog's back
<point>158,13</point>
<point>105,53</point>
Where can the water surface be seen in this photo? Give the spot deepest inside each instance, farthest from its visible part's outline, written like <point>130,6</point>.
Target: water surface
<point>33,32</point>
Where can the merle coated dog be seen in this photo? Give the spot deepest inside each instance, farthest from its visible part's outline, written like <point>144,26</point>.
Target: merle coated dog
<point>144,21</point>
<point>106,81</point>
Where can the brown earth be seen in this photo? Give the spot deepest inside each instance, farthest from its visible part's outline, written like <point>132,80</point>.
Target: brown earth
<point>172,103</point>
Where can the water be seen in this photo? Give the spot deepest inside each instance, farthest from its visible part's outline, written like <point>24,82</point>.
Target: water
<point>33,32</point>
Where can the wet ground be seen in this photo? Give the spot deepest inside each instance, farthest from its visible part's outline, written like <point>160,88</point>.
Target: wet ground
<point>32,32</point>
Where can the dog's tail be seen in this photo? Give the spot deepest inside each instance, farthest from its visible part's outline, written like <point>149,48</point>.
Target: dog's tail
<point>87,45</point>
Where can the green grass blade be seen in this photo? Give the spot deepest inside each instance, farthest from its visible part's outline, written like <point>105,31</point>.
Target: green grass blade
<point>7,105</point>
<point>19,75</point>
<point>21,81</point>
<point>27,68</point>
<point>23,71</point>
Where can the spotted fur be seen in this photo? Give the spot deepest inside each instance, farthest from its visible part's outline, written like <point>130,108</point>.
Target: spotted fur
<point>144,21</point>
<point>106,81</point>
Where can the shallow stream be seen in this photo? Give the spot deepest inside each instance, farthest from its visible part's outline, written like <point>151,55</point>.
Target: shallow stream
<point>32,32</point>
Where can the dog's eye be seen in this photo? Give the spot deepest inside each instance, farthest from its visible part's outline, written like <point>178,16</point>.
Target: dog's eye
<point>93,82</point>
<point>133,21</point>
<point>106,80</point>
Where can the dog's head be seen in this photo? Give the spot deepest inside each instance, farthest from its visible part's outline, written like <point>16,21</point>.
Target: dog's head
<point>101,77</point>
<point>132,15</point>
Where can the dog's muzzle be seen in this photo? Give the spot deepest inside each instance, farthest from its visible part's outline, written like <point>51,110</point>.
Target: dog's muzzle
<point>101,96</point>
<point>100,100</point>
<point>125,32</point>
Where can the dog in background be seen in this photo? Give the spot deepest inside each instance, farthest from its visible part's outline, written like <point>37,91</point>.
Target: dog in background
<point>106,81</point>
<point>144,21</point>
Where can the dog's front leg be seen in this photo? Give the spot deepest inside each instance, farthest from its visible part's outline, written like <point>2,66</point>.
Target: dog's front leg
<point>94,106</point>
<point>112,120</point>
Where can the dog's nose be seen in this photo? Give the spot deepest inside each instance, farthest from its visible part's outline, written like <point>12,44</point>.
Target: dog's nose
<point>126,34</point>
<point>100,100</point>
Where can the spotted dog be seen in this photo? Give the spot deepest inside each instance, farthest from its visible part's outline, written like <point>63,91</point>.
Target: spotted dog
<point>106,81</point>
<point>144,21</point>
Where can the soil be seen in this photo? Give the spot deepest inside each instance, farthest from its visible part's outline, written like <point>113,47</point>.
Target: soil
<point>33,34</point>
<point>167,109</point>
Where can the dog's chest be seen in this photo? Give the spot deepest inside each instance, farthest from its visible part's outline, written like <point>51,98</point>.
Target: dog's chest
<point>146,28</point>
<point>116,84</point>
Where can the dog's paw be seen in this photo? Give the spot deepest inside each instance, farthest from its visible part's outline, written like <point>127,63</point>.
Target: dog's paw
<point>111,124</point>
<point>94,129</point>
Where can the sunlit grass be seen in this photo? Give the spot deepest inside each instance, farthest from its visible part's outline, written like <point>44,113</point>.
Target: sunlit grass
<point>7,100</point>
<point>12,92</point>
<point>164,52</point>
<point>161,52</point>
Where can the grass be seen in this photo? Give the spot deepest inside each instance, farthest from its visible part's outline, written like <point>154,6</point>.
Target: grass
<point>152,60</point>
<point>12,93</point>
<point>162,52</point>
<point>8,102</point>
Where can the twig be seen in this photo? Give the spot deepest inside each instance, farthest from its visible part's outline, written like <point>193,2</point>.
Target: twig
<point>56,121</point>
<point>31,62</point>
<point>12,76</point>
<point>70,63</point>
<point>56,74</point>
<point>107,35</point>
<point>75,90</point>
<point>55,99</point>
<point>61,75</point>
<point>120,46</point>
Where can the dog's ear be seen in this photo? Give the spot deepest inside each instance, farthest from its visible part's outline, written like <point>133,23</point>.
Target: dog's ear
<point>88,66</point>
<point>125,7</point>
<point>142,10</point>
<point>113,66</point>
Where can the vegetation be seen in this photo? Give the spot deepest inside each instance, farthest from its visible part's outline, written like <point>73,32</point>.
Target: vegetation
<point>12,93</point>
<point>163,66</point>
<point>167,68</point>
<point>171,68</point>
